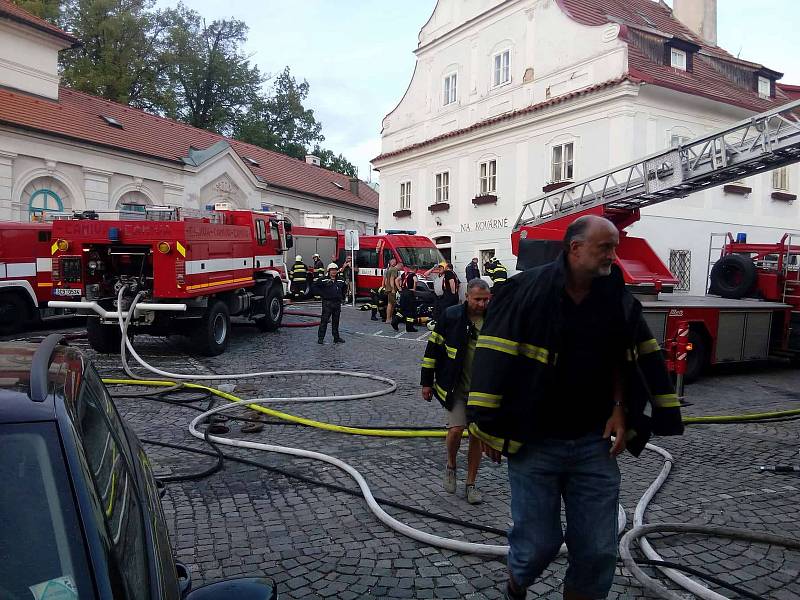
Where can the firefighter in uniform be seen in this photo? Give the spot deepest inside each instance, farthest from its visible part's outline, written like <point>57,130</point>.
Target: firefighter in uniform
<point>496,272</point>
<point>407,307</point>
<point>299,278</point>
<point>318,272</point>
<point>377,304</point>
<point>332,291</point>
<point>567,360</point>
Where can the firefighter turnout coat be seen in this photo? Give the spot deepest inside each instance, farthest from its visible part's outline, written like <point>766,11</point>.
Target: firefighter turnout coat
<point>444,354</point>
<point>299,272</point>
<point>518,349</point>
<point>496,271</point>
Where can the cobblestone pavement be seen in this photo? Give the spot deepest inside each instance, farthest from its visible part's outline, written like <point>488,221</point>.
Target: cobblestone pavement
<point>319,543</point>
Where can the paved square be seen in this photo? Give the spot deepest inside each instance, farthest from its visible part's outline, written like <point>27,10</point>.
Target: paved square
<point>320,543</point>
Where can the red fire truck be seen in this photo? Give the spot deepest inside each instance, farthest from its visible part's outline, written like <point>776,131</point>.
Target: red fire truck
<point>25,284</point>
<point>752,309</point>
<point>412,252</point>
<point>194,271</point>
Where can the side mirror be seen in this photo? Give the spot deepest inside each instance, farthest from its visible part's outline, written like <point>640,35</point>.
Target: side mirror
<point>243,588</point>
<point>289,240</point>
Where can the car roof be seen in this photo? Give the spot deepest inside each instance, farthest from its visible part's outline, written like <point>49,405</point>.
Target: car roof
<point>33,376</point>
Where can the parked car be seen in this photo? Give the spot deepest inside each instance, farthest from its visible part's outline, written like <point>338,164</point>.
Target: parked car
<point>80,510</point>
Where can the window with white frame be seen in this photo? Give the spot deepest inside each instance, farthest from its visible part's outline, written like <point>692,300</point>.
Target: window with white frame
<point>677,59</point>
<point>443,186</point>
<point>562,164</point>
<point>405,195</point>
<point>450,89</point>
<point>487,173</point>
<point>780,179</point>
<point>501,68</point>
<point>764,87</point>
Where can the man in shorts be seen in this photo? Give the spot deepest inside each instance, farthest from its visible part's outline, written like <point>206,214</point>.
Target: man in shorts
<point>447,372</point>
<point>391,286</point>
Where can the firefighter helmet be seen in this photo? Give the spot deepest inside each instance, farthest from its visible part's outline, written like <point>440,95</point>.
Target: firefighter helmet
<point>333,266</point>
<point>298,258</point>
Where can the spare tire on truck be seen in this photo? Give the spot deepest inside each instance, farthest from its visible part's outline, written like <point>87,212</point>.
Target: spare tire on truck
<point>733,276</point>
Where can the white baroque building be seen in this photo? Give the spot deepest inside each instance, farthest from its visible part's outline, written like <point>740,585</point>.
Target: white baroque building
<point>510,98</point>
<point>63,151</point>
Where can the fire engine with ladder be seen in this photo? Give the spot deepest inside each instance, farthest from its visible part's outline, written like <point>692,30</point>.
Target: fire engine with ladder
<point>194,270</point>
<point>752,307</point>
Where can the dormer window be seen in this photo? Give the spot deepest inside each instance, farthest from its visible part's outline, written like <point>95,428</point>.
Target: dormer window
<point>680,54</point>
<point>677,59</point>
<point>764,87</point>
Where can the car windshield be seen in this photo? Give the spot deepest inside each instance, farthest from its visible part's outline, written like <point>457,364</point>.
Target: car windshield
<point>420,257</point>
<point>42,553</point>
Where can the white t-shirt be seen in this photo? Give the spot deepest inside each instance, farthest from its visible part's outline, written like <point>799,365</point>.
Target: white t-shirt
<point>438,285</point>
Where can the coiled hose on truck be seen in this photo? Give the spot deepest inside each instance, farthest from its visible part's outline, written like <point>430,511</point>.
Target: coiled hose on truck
<point>639,531</point>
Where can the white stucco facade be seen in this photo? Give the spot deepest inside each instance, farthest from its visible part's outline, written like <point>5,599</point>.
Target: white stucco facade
<point>612,123</point>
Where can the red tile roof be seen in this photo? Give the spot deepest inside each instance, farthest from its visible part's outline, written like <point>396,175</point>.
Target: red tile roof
<point>507,116</point>
<point>704,80</point>
<point>11,11</point>
<point>78,116</point>
<point>654,18</point>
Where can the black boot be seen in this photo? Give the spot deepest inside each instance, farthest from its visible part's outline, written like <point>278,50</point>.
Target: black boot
<point>395,322</point>
<point>338,340</point>
<point>410,328</point>
<point>374,316</point>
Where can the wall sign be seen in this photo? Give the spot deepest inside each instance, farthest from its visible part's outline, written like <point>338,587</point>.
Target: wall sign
<point>485,225</point>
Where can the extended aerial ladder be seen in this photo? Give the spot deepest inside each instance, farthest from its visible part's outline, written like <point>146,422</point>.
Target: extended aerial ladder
<point>760,143</point>
<point>720,329</point>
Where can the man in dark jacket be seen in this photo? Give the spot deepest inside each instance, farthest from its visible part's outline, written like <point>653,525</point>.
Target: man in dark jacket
<point>568,361</point>
<point>446,373</point>
<point>332,292</point>
<point>318,274</point>
<point>473,272</point>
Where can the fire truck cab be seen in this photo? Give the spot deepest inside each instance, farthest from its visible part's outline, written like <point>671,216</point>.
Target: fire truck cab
<point>24,274</point>
<point>190,271</point>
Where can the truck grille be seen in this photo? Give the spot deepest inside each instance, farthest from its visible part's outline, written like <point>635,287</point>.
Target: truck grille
<point>70,269</point>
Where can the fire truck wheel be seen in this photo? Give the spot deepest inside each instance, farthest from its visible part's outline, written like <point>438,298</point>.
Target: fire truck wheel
<point>733,276</point>
<point>14,314</point>
<point>697,358</point>
<point>273,316</point>
<point>105,339</point>
<point>213,332</point>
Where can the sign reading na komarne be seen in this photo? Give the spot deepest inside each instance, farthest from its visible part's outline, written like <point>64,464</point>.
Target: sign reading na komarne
<point>485,225</point>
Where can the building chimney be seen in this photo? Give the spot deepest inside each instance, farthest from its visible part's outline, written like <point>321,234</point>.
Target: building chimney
<point>313,160</point>
<point>698,15</point>
<point>354,185</point>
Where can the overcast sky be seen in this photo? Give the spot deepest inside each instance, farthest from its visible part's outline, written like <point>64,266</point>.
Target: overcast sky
<point>357,55</point>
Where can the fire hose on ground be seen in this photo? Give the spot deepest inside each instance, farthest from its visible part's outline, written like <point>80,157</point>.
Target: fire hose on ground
<point>639,531</point>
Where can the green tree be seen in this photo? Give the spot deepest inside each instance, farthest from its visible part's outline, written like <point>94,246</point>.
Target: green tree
<point>211,79</point>
<point>279,121</point>
<point>330,160</point>
<point>49,10</point>
<point>120,59</point>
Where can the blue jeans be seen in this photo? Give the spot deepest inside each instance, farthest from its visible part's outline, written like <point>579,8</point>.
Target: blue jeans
<point>586,476</point>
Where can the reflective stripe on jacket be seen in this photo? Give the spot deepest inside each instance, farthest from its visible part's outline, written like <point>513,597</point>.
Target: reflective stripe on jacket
<point>444,354</point>
<point>496,271</point>
<point>518,350</point>
<point>299,271</point>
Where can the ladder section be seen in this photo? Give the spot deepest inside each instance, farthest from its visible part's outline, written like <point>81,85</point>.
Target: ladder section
<point>758,144</point>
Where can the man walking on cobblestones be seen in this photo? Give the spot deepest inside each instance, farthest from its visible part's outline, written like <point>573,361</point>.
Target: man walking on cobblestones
<point>446,373</point>
<point>568,361</point>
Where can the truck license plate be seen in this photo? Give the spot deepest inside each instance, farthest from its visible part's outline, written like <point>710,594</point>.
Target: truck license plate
<point>66,292</point>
